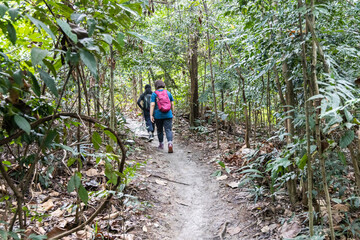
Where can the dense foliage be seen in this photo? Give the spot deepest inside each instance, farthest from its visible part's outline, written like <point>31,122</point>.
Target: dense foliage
<point>285,68</point>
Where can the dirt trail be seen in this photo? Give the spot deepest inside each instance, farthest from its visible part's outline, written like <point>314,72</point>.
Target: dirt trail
<point>187,201</point>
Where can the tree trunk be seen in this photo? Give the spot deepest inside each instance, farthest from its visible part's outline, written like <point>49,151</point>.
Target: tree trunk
<point>193,69</point>
<point>134,90</point>
<point>308,133</point>
<point>315,45</point>
<point>291,184</point>
<point>268,101</point>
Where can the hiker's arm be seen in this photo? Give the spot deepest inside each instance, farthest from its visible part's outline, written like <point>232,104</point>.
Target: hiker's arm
<point>152,106</point>
<point>138,103</point>
<point>173,107</point>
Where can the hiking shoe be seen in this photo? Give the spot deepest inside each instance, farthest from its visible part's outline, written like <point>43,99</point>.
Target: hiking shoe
<point>161,146</point>
<point>151,137</point>
<point>170,148</point>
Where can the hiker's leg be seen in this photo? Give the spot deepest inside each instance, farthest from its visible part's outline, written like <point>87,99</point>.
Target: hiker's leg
<point>149,124</point>
<point>160,129</point>
<point>168,129</point>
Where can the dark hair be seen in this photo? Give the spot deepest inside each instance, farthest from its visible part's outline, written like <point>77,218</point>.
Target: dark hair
<point>159,84</point>
<point>148,89</point>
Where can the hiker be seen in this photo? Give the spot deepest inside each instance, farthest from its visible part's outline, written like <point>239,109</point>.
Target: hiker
<point>161,112</point>
<point>146,99</point>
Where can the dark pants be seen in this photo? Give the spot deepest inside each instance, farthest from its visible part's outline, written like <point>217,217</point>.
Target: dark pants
<point>149,124</point>
<point>166,124</point>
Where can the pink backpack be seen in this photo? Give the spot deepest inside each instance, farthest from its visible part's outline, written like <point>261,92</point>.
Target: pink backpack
<point>163,101</point>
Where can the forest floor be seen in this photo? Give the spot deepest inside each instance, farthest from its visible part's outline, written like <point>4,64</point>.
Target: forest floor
<point>188,202</point>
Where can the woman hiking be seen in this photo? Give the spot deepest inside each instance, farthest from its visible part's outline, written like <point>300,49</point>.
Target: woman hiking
<point>146,99</point>
<point>161,112</point>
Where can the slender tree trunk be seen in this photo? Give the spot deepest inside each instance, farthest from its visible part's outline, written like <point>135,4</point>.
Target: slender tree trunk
<point>112,98</point>
<point>291,184</point>
<point>315,45</point>
<point>134,90</point>
<point>268,100</point>
<point>212,74</point>
<point>308,133</point>
<point>203,89</point>
<point>141,88</point>
<point>194,92</point>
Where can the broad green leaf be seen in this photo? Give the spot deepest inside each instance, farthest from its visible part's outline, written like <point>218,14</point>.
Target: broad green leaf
<point>96,140</point>
<point>50,66</point>
<point>120,39</point>
<point>49,81</point>
<point>39,24</point>
<point>37,55</point>
<point>6,163</point>
<point>91,24</point>
<point>22,123</point>
<point>347,138</point>
<point>35,85</point>
<point>251,170</point>
<point>71,161</point>
<point>145,39</point>
<point>37,237</point>
<point>65,9</point>
<point>111,135</point>
<point>13,12</point>
<point>11,33</point>
<point>89,60</point>
<point>301,164</point>
<point>83,194</point>
<point>107,38</point>
<point>50,138</point>
<point>89,44</point>
<point>3,10</point>
<point>71,184</point>
<point>77,17</point>
<point>124,7</point>
<point>67,30</point>
<point>348,115</point>
<point>18,77</point>
<point>72,57</point>
<point>222,164</point>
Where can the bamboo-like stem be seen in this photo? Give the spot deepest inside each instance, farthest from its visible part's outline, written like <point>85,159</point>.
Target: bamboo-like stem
<point>308,140</point>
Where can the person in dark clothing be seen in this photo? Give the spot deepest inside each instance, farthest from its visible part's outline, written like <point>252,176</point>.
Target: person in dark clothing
<point>145,98</point>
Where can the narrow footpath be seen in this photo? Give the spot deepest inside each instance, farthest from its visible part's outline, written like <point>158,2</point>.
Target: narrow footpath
<point>188,203</point>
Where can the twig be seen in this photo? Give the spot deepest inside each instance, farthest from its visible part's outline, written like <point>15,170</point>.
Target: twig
<point>169,180</point>
<point>223,231</point>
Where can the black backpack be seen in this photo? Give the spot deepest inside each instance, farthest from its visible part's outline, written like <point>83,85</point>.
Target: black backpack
<point>147,101</point>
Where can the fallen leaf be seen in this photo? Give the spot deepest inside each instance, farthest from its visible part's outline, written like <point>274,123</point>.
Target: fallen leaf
<point>57,213</point>
<point>160,182</point>
<point>341,207</point>
<point>265,229</point>
<point>54,194</point>
<point>55,231</point>
<point>233,184</point>
<point>129,236</point>
<point>49,204</point>
<point>223,177</point>
<point>92,172</point>
<point>111,216</point>
<point>234,230</point>
<point>290,230</point>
